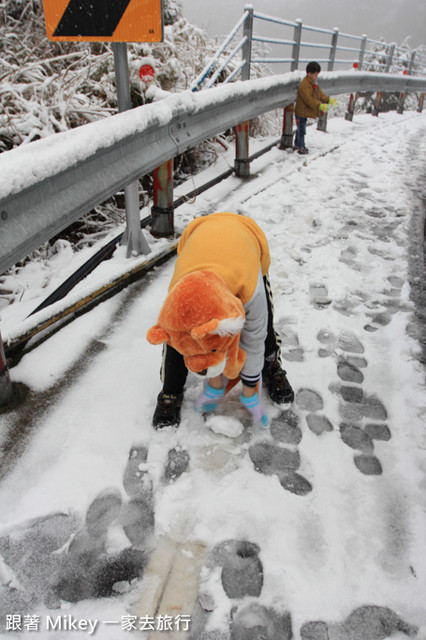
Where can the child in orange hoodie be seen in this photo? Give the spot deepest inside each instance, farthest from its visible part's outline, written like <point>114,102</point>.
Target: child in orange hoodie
<point>235,249</point>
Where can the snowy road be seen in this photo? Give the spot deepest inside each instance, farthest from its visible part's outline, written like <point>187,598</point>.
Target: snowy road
<point>330,505</point>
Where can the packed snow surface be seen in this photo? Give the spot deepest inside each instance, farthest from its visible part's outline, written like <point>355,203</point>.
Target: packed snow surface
<point>332,499</point>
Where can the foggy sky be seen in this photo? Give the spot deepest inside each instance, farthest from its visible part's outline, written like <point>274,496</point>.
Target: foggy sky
<point>393,20</point>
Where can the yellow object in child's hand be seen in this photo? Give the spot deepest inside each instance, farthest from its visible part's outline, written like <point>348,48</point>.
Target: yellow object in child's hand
<point>324,107</point>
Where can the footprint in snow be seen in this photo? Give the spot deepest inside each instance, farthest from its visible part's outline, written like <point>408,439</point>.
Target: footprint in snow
<point>364,623</point>
<point>318,294</point>
<point>274,459</point>
<point>311,402</point>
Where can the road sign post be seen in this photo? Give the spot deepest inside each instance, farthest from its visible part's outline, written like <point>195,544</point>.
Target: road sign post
<point>116,21</point>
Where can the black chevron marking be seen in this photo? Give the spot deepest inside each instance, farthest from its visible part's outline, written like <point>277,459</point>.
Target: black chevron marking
<point>91,18</point>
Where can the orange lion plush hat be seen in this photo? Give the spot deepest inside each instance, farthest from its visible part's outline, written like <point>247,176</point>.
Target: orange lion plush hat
<point>202,320</point>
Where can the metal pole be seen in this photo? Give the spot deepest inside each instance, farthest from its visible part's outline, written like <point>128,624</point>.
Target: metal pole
<point>390,57</point>
<point>5,383</point>
<point>241,162</point>
<point>297,37</point>
<point>333,49</point>
<point>377,103</point>
<point>162,213</point>
<point>248,35</point>
<point>133,236</point>
<point>322,122</point>
<point>411,65</point>
<point>349,115</point>
<point>402,96</point>
<point>287,134</point>
<point>362,50</point>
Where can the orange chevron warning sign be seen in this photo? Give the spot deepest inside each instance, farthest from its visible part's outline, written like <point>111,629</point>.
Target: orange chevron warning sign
<point>104,20</point>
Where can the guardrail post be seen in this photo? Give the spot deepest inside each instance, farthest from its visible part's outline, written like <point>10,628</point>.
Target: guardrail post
<point>377,103</point>
<point>241,162</point>
<point>390,57</point>
<point>421,101</point>
<point>133,236</point>
<point>5,383</point>
<point>411,65</point>
<point>349,115</point>
<point>162,213</point>
<point>322,122</point>
<point>402,96</point>
<point>287,134</point>
<point>297,37</point>
<point>248,35</point>
<point>379,95</point>
<point>362,50</point>
<point>333,49</point>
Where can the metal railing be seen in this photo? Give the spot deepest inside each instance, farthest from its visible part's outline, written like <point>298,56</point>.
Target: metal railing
<point>50,183</point>
<point>295,47</point>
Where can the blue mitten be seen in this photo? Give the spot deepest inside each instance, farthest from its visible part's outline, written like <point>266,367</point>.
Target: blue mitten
<point>255,408</point>
<point>208,400</point>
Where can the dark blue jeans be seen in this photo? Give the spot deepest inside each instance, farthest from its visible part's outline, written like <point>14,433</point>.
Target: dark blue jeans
<point>299,140</point>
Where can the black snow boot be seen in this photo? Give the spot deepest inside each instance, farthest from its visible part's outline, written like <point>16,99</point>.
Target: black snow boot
<point>275,380</point>
<point>167,411</point>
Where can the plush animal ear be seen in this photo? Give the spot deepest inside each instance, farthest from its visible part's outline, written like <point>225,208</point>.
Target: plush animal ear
<point>230,326</point>
<point>203,329</point>
<point>157,335</point>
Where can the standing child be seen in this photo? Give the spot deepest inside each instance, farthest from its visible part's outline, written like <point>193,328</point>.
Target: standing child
<point>310,101</point>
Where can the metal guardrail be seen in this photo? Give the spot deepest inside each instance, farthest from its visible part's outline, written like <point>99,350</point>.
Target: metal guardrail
<point>47,185</point>
<point>295,45</point>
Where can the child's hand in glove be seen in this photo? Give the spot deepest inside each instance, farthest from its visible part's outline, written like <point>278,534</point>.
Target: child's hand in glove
<point>252,403</point>
<point>208,400</point>
<point>324,107</point>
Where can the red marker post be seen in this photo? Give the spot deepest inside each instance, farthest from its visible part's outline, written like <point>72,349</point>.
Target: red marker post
<point>287,134</point>
<point>352,101</point>
<point>402,96</point>
<point>162,213</point>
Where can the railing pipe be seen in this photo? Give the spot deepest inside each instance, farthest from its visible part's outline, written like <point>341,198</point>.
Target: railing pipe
<point>225,63</point>
<point>235,72</point>
<point>273,40</point>
<point>212,63</point>
<point>262,16</point>
<point>315,45</point>
<point>308,27</point>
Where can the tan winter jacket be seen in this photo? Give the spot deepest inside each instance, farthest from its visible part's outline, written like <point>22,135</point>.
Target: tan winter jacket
<point>309,98</point>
